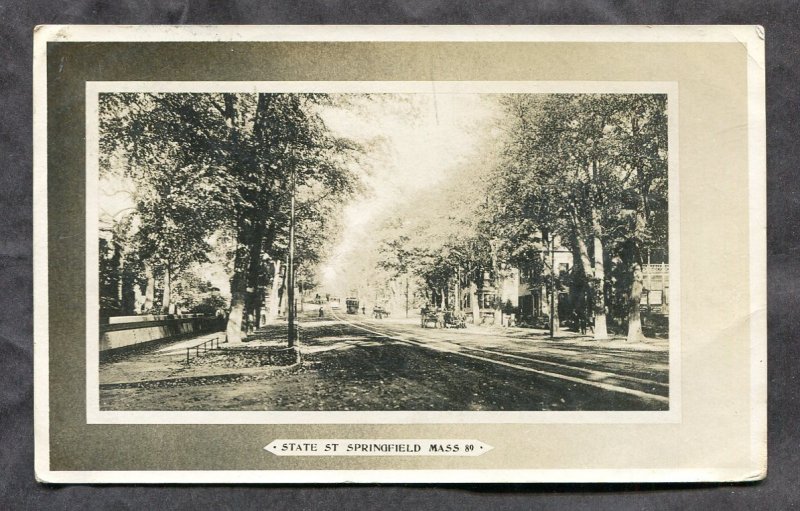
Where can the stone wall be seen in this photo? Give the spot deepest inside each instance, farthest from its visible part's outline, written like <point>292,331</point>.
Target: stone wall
<point>121,332</point>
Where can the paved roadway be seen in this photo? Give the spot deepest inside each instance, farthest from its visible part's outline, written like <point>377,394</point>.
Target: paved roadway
<point>352,362</point>
<point>499,369</point>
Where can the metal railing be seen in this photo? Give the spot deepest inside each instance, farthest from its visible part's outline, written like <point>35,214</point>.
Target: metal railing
<point>204,346</point>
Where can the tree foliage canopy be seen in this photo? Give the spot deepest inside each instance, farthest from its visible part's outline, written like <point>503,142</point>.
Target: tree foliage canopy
<point>207,164</point>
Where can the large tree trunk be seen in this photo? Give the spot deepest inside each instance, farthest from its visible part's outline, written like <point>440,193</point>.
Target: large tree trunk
<point>407,304</point>
<point>596,295</point>
<point>253,272</point>
<point>600,329</point>
<point>476,306</point>
<point>634,320</point>
<point>497,284</point>
<point>552,289</point>
<point>166,294</point>
<point>258,313</point>
<point>274,301</point>
<point>556,326</point>
<point>457,291</point>
<point>272,307</point>
<point>282,291</point>
<point>301,292</point>
<point>150,288</point>
<point>233,330</point>
<point>637,282</point>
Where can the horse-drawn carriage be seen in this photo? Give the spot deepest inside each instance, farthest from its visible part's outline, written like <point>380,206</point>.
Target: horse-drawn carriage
<point>443,319</point>
<point>429,317</point>
<point>379,312</point>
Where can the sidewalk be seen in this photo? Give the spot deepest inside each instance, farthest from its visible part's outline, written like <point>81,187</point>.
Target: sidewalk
<point>568,337</point>
<point>562,337</point>
<point>168,361</point>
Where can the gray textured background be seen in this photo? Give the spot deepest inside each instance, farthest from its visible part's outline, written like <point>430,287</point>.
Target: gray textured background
<point>18,489</point>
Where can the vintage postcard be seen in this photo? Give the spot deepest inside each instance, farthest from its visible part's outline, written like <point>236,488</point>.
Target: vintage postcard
<point>286,254</point>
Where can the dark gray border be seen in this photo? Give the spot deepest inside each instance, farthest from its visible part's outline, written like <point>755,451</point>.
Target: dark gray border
<point>76,446</point>
<point>18,488</point>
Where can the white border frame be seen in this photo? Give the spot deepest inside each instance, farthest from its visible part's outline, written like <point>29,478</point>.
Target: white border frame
<point>750,36</point>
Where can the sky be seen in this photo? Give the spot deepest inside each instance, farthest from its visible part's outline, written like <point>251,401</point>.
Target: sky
<point>425,138</point>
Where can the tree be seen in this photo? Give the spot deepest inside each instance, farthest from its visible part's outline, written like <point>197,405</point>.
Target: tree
<point>442,239</point>
<point>641,128</point>
<point>197,294</point>
<point>583,166</point>
<point>180,196</point>
<point>221,162</point>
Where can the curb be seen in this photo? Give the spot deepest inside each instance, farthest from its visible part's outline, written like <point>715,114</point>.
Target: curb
<point>211,379</point>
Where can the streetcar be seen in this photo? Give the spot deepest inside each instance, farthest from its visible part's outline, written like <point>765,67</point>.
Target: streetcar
<point>352,305</point>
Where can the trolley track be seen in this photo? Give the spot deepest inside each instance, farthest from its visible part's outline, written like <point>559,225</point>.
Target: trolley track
<point>593,374</point>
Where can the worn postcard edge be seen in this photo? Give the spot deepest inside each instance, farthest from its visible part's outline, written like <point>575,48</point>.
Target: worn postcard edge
<point>750,36</point>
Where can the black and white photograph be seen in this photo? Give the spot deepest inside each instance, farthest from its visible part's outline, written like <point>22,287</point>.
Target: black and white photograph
<point>424,251</point>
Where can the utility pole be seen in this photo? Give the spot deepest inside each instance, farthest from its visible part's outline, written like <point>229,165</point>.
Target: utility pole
<point>406,296</point>
<point>290,269</point>
<point>552,286</point>
<point>458,289</point>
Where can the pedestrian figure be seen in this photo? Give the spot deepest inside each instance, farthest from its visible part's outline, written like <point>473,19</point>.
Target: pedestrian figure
<point>321,313</point>
<point>363,310</point>
<point>462,320</point>
<point>580,321</point>
<point>581,313</point>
